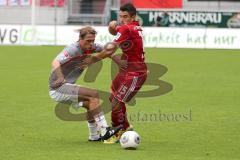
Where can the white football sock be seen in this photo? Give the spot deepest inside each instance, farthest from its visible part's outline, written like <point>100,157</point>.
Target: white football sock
<point>93,131</point>
<point>101,123</point>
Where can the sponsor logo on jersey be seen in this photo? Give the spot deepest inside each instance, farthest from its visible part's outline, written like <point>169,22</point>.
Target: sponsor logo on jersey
<point>126,45</point>
<point>65,53</point>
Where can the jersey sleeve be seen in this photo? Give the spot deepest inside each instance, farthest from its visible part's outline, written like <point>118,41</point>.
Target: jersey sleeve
<point>66,54</point>
<point>122,34</point>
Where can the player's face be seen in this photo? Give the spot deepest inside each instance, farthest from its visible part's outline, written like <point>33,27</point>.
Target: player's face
<point>87,42</point>
<point>125,17</point>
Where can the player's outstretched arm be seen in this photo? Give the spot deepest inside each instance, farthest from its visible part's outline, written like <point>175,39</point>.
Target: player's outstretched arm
<point>108,51</point>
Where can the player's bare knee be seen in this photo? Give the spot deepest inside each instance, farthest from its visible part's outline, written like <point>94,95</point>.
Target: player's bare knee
<point>93,103</point>
<point>86,105</point>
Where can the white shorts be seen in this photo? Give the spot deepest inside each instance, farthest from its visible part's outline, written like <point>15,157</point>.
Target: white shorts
<point>67,92</point>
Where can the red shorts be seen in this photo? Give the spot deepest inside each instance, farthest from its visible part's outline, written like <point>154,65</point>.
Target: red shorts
<point>127,84</point>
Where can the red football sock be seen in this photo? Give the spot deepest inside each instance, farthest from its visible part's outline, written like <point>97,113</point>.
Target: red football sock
<point>119,116</point>
<point>124,111</point>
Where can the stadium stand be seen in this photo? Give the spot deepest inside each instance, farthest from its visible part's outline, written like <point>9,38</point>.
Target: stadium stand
<point>95,12</point>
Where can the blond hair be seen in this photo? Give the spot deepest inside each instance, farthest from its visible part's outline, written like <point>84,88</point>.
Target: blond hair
<point>86,30</point>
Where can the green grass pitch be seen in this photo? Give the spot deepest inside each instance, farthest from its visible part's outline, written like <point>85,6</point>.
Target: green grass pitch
<point>206,90</point>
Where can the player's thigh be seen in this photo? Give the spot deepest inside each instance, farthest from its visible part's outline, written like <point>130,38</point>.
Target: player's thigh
<point>129,87</point>
<point>73,92</point>
<point>87,92</point>
<point>117,81</point>
<point>65,93</point>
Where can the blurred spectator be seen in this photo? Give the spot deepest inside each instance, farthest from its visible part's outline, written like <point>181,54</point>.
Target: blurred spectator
<point>86,6</point>
<point>51,3</point>
<point>234,22</point>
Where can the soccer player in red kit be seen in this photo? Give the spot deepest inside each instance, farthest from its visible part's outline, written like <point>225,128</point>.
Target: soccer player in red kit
<point>129,80</point>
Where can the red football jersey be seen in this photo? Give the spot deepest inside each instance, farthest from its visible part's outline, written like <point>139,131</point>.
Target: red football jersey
<point>130,39</point>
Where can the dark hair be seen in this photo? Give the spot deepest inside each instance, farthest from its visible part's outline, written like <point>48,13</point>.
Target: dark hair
<point>86,30</point>
<point>129,7</point>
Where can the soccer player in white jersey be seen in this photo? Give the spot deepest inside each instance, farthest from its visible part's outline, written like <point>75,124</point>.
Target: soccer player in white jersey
<point>66,69</point>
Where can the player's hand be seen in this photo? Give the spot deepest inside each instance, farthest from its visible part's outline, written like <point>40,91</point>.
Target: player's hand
<point>113,24</point>
<point>112,27</point>
<point>109,48</point>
